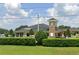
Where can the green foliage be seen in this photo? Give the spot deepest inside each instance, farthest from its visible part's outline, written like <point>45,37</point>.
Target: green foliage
<point>17,41</point>
<point>64,27</point>
<point>2,31</point>
<point>11,32</point>
<point>40,36</point>
<point>68,33</point>
<point>73,33</point>
<point>31,32</point>
<point>6,34</point>
<point>61,42</point>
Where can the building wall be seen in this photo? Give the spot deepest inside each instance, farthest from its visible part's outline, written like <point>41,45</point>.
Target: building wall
<point>52,28</point>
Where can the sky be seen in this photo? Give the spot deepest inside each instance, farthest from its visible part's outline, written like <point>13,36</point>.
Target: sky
<point>14,15</point>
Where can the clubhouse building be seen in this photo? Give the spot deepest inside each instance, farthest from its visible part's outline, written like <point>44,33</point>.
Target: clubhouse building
<point>54,31</point>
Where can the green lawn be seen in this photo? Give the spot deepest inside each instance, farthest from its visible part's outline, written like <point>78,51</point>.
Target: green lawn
<point>37,50</point>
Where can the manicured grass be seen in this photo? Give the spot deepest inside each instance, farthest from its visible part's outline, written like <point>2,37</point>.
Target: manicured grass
<point>37,50</point>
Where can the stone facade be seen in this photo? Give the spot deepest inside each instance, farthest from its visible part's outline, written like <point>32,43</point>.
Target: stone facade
<point>52,27</point>
<point>56,32</point>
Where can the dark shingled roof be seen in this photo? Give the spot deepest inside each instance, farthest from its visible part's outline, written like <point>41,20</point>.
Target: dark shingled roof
<point>71,29</point>
<point>23,30</point>
<point>52,19</point>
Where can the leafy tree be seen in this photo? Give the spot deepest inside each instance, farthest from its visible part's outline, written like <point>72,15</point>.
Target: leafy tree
<point>31,32</point>
<point>73,33</point>
<point>3,31</point>
<point>64,27</point>
<point>68,33</point>
<point>40,36</point>
<point>6,34</point>
<point>11,32</point>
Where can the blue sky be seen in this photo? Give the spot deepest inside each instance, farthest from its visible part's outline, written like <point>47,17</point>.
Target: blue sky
<point>15,15</point>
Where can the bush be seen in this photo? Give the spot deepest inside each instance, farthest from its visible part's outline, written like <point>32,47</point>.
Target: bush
<point>6,34</point>
<point>31,32</point>
<point>67,33</point>
<point>11,33</point>
<point>17,41</point>
<point>61,42</point>
<point>40,36</point>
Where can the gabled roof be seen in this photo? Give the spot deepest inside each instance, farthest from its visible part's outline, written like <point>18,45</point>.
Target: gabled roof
<point>23,30</point>
<point>74,29</point>
<point>71,29</point>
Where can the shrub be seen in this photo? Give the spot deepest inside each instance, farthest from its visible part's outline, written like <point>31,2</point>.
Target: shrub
<point>61,42</point>
<point>31,32</point>
<point>67,33</point>
<point>17,41</point>
<point>40,36</point>
<point>6,34</point>
<point>11,33</point>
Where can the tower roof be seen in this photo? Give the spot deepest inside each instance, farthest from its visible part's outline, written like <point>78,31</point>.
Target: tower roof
<point>52,19</point>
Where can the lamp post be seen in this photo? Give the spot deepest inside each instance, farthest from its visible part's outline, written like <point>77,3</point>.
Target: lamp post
<point>38,22</point>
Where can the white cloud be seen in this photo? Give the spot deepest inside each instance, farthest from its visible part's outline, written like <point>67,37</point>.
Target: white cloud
<point>9,21</point>
<point>71,9</point>
<point>23,13</point>
<point>68,21</point>
<point>52,12</point>
<point>65,9</point>
<point>15,8</point>
<point>41,20</point>
<point>12,16</point>
<point>12,5</point>
<point>61,10</point>
<point>9,18</point>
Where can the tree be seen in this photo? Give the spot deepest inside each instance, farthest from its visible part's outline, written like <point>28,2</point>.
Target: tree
<point>11,32</point>
<point>40,36</point>
<point>6,34</point>
<point>31,32</point>
<point>3,31</point>
<point>68,33</point>
<point>64,27</point>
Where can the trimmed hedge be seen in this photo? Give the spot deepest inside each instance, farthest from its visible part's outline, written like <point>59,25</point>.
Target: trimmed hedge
<point>61,42</point>
<point>17,41</point>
